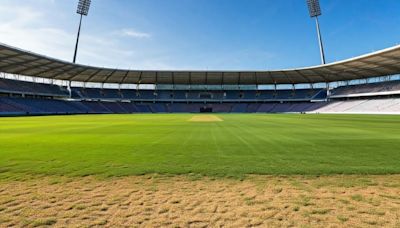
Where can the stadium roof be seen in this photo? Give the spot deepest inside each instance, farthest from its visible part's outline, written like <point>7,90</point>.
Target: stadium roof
<point>381,63</point>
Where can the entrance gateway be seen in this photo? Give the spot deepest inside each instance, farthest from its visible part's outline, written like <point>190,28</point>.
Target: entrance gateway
<point>206,109</point>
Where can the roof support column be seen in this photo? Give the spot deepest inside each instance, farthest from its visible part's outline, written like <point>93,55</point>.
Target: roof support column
<point>190,80</point>
<point>328,91</point>
<point>222,81</point>
<point>155,84</point>
<point>124,78</point>
<point>293,89</point>
<point>256,80</point>
<point>69,88</point>
<point>139,81</point>
<point>173,80</point>
<point>238,83</point>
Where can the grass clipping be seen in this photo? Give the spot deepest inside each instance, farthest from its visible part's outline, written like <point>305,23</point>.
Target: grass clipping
<point>205,118</point>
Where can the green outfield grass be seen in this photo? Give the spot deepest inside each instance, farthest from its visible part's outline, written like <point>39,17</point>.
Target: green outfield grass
<point>117,145</point>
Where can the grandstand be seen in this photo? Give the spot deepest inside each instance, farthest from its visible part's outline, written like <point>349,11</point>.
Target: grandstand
<point>58,87</point>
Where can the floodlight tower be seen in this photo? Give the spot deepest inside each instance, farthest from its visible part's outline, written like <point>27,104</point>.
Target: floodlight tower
<point>315,11</point>
<point>83,10</point>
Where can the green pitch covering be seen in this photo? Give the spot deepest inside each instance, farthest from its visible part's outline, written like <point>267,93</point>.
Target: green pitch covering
<point>115,145</point>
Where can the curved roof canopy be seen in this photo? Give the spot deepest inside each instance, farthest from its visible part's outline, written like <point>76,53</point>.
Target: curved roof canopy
<point>20,62</point>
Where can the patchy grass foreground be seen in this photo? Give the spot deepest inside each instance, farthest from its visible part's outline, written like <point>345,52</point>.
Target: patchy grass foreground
<point>235,145</point>
<point>82,171</point>
<point>189,201</point>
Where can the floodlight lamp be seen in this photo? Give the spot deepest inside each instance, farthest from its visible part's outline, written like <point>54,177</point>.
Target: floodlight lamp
<point>83,7</point>
<point>314,8</point>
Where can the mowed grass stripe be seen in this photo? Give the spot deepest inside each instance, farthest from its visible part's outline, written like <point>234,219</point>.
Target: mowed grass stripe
<point>118,145</point>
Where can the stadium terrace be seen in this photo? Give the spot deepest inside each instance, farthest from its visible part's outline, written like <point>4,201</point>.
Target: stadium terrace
<point>20,62</point>
<point>133,91</point>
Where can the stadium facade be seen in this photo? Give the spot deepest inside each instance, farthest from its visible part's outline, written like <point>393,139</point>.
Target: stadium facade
<point>33,84</point>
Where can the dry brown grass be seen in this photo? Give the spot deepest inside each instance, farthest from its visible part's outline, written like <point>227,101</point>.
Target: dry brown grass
<point>161,201</point>
<point>205,118</point>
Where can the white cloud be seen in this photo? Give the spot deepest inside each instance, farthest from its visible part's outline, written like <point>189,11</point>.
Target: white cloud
<point>134,34</point>
<point>31,28</point>
<point>23,28</point>
<point>34,28</point>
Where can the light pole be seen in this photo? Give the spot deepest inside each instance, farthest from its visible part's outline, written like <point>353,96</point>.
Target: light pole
<point>315,11</point>
<point>83,10</point>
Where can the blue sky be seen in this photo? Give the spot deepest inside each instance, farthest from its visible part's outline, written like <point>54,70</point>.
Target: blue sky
<point>200,34</point>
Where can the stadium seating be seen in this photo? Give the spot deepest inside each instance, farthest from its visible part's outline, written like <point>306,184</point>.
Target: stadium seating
<point>267,107</point>
<point>222,108</point>
<point>385,87</point>
<point>28,98</point>
<point>146,95</point>
<point>40,106</point>
<point>129,107</point>
<point>22,87</point>
<point>384,106</point>
<point>164,95</point>
<point>239,108</point>
<point>129,94</point>
<point>112,94</point>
